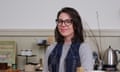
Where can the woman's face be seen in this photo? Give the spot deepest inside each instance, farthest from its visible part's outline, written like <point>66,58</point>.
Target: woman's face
<point>65,25</point>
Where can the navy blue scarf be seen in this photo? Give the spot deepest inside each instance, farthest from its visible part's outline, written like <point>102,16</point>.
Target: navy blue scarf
<point>72,60</point>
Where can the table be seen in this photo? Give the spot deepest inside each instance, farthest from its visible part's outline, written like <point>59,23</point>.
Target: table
<point>10,70</point>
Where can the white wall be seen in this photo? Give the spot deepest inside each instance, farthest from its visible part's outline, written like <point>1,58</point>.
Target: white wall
<point>41,14</point>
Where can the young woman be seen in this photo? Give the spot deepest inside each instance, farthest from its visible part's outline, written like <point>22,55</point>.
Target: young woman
<point>70,51</point>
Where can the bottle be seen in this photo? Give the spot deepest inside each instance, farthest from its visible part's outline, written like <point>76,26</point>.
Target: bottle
<point>14,66</point>
<point>29,52</point>
<point>22,52</point>
<point>100,65</point>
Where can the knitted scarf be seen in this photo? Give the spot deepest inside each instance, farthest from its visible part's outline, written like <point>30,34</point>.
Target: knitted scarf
<point>72,60</point>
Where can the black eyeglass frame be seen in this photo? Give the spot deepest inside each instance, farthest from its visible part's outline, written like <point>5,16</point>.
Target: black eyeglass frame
<point>67,22</point>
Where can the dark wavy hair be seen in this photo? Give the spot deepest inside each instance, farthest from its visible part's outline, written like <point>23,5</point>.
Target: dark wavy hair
<point>77,25</point>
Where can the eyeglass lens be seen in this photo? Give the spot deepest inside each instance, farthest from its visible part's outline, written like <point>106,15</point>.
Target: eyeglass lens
<point>66,22</point>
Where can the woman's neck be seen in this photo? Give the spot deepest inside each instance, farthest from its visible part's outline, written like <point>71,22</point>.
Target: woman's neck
<point>67,41</point>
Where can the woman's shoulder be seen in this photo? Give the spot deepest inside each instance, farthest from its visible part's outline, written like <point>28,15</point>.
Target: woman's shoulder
<point>51,46</point>
<point>85,46</point>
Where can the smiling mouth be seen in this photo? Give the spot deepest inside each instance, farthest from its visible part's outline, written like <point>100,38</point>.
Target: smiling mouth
<point>63,30</point>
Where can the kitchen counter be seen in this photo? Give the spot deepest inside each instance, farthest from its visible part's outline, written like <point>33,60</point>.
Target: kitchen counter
<point>104,71</point>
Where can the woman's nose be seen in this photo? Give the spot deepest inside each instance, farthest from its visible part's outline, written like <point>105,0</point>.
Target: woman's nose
<point>63,24</point>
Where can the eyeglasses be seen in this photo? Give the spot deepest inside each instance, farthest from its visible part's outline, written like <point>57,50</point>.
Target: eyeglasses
<point>66,22</point>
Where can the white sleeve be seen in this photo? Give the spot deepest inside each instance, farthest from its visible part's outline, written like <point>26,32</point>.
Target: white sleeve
<point>86,57</point>
<point>45,66</point>
<point>45,61</point>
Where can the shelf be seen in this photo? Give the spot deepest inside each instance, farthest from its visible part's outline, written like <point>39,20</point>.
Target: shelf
<point>27,57</point>
<point>43,44</point>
